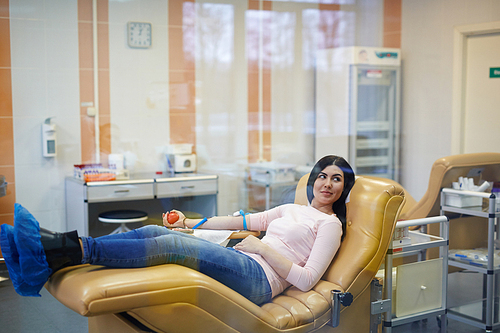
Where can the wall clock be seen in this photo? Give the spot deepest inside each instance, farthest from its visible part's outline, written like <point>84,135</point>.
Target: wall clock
<point>139,34</point>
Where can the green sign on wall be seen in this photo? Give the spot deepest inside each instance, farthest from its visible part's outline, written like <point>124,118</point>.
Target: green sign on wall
<point>494,72</point>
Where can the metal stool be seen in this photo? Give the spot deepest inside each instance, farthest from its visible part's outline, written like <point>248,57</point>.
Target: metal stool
<point>122,217</point>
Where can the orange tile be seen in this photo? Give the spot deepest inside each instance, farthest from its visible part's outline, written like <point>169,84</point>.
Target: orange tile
<point>5,92</point>
<point>253,92</point>
<point>85,49</point>
<point>9,173</point>
<point>104,91</point>
<point>182,128</point>
<point>266,90</point>
<point>175,48</point>
<point>6,141</point>
<point>266,142</point>
<point>253,146</point>
<point>8,219</point>
<point>86,88</point>
<point>253,66</point>
<point>102,11</point>
<point>189,47</point>
<point>178,59</point>
<point>392,40</point>
<point>266,120</point>
<point>253,120</point>
<point>392,16</point>
<point>253,136</point>
<point>105,136</point>
<point>4,8</point>
<point>324,6</point>
<point>175,9</point>
<point>7,202</point>
<point>85,10</point>
<point>5,42</point>
<point>182,96</point>
<point>103,45</point>
<point>255,4</point>
<point>181,76</point>
<point>87,137</point>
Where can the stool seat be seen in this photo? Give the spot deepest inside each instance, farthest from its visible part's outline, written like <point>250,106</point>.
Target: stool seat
<point>122,217</point>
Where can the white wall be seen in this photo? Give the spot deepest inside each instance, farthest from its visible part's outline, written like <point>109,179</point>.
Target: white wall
<point>44,59</point>
<point>139,86</point>
<point>427,54</point>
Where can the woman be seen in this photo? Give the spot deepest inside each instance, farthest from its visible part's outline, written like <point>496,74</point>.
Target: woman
<point>299,245</point>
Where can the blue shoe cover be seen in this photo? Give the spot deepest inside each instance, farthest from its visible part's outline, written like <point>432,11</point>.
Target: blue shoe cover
<point>35,270</point>
<point>11,256</point>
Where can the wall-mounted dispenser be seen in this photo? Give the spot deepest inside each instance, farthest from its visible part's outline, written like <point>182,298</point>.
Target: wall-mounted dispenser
<point>49,138</point>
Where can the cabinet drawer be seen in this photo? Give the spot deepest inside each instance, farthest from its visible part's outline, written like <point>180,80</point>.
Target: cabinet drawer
<point>120,192</point>
<point>186,188</point>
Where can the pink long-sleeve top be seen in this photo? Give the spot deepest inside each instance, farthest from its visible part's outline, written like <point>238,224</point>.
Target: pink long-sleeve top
<point>303,235</point>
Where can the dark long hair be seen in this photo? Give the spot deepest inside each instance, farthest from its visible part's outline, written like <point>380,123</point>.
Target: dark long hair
<point>339,207</point>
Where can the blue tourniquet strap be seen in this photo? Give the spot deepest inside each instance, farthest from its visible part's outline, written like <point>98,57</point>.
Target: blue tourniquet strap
<point>242,213</point>
<point>200,223</point>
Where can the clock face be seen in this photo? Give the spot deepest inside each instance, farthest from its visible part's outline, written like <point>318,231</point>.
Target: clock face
<point>139,34</point>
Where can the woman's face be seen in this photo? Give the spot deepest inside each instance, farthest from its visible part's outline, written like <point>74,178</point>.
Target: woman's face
<point>328,188</point>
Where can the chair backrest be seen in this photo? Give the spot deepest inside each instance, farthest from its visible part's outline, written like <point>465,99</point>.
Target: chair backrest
<point>447,170</point>
<point>372,213</point>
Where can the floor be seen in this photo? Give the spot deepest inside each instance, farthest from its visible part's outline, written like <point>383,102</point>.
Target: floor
<point>46,314</point>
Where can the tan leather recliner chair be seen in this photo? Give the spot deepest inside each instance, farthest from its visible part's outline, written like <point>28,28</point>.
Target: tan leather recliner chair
<point>172,298</point>
<point>465,232</point>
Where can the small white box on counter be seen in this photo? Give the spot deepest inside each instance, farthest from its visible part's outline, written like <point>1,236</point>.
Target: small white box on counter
<point>180,149</point>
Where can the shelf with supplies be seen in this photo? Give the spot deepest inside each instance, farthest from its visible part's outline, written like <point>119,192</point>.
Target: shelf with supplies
<point>417,290</point>
<point>483,313</point>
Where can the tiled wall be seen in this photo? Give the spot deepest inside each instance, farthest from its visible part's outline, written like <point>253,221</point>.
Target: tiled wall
<point>86,70</point>
<point>6,119</point>
<point>210,79</point>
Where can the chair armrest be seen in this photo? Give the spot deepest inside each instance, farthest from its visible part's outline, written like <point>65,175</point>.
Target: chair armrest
<point>244,234</point>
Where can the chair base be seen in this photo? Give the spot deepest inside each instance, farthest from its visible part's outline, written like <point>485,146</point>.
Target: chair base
<point>120,229</point>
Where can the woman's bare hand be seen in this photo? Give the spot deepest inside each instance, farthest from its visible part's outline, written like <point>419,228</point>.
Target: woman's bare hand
<point>250,244</point>
<point>179,223</point>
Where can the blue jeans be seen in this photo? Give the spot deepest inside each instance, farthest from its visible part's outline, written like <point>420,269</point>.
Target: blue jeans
<point>154,245</point>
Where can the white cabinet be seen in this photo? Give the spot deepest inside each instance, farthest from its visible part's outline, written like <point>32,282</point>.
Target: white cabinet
<point>193,194</point>
<point>420,291</point>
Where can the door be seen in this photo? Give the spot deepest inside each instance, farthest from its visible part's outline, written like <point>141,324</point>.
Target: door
<point>481,127</point>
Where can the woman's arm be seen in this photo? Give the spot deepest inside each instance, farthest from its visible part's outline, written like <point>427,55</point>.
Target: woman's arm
<point>279,263</point>
<point>216,222</point>
<point>255,222</point>
<point>324,249</point>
